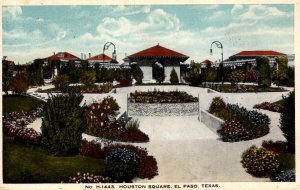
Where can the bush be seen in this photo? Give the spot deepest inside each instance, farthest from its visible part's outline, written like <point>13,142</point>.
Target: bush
<point>233,131</point>
<point>107,87</point>
<point>260,162</point>
<point>286,176</point>
<point>269,106</point>
<point>236,76</point>
<point>19,83</point>
<point>63,124</point>
<point>264,71</point>
<point>91,149</point>
<point>174,77</point>
<point>287,120</point>
<point>88,77</point>
<point>158,73</point>
<point>216,105</point>
<point>122,164</point>
<point>133,124</point>
<point>138,74</point>
<point>61,82</point>
<point>134,135</point>
<point>277,146</point>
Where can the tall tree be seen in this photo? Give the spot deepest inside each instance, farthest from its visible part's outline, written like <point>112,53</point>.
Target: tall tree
<point>174,77</point>
<point>280,75</point>
<point>7,72</point>
<point>138,74</point>
<point>158,73</point>
<point>34,72</point>
<point>264,71</point>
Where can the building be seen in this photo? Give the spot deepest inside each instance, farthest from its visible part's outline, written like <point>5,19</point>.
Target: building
<point>168,58</point>
<point>64,57</point>
<point>102,59</point>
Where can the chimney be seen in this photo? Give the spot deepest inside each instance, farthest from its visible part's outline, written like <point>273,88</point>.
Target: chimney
<point>84,56</point>
<point>81,55</point>
<point>53,53</point>
<point>89,55</point>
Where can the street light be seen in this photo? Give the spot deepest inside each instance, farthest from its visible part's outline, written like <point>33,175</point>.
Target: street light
<point>219,45</point>
<point>105,47</point>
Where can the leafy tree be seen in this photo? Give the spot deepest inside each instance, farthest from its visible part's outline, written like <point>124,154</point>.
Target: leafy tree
<point>158,73</point>
<point>72,71</point>
<point>88,77</point>
<point>84,65</point>
<point>236,76</point>
<point>264,71</point>
<point>138,74</point>
<point>194,75</point>
<point>251,76</point>
<point>287,120</point>
<point>174,77</point>
<point>63,124</point>
<point>61,82</point>
<point>34,72</point>
<point>280,75</point>
<point>19,83</point>
<point>7,72</point>
<point>291,78</point>
<point>97,71</point>
<point>211,75</point>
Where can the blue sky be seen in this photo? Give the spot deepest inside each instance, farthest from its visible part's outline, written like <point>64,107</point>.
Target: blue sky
<point>31,32</point>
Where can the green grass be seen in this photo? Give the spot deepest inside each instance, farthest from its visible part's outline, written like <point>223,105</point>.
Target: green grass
<point>287,161</point>
<point>31,164</point>
<point>18,103</point>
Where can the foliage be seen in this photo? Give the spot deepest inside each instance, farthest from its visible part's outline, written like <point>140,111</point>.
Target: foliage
<point>158,73</point>
<point>291,78</point>
<point>34,72</point>
<point>279,77</point>
<point>233,131</point>
<point>63,124</point>
<point>260,162</point>
<point>286,176</point>
<point>101,120</point>
<point>61,82</point>
<point>13,103</point>
<point>71,70</point>
<point>211,75</point>
<point>122,164</point>
<point>138,74</point>
<point>133,124</point>
<point>161,97</point>
<point>277,146</point>
<point>269,106</point>
<point>264,71</point>
<point>287,120</point>
<point>125,77</point>
<point>236,76</point>
<point>216,104</point>
<point>134,135</point>
<point>19,83</point>
<point>7,73</point>
<point>107,87</point>
<point>88,77</point>
<point>251,76</point>
<point>87,178</point>
<point>194,75</point>
<point>91,149</point>
<point>174,77</point>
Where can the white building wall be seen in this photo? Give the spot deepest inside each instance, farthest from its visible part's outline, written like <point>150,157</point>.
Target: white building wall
<point>147,71</point>
<point>168,70</point>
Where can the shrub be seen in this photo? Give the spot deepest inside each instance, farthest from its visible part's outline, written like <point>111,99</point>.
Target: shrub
<point>233,131</point>
<point>158,73</point>
<point>63,124</point>
<point>134,135</point>
<point>88,77</point>
<point>216,105</point>
<point>174,77</point>
<point>269,106</point>
<point>107,87</point>
<point>61,82</point>
<point>19,83</point>
<point>264,71</point>
<point>251,76</point>
<point>287,120</point>
<point>91,149</point>
<point>122,164</point>
<point>28,136</point>
<point>260,162</point>
<point>138,74</point>
<point>133,124</point>
<point>286,176</point>
<point>236,76</point>
<point>277,146</point>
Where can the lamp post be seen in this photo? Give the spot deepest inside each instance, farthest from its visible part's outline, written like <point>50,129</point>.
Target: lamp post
<point>105,47</point>
<point>219,45</point>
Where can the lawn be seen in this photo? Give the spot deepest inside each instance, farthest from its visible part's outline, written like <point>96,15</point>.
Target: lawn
<point>18,103</point>
<point>31,164</point>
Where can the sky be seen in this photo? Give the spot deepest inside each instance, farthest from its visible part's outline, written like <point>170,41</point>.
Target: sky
<point>30,32</point>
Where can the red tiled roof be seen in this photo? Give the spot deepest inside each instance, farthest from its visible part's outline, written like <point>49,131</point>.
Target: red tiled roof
<point>158,51</point>
<point>259,53</point>
<point>206,61</point>
<point>66,55</point>
<point>100,57</point>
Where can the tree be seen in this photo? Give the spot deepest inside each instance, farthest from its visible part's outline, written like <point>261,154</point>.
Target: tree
<point>63,124</point>
<point>34,72</point>
<point>158,73</point>
<point>211,75</point>
<point>287,120</point>
<point>7,72</point>
<point>174,77</point>
<point>71,70</point>
<point>291,78</point>
<point>264,71</point>
<point>138,74</point>
<point>280,75</point>
<point>19,83</point>
<point>194,75</point>
<point>61,82</point>
<point>88,77</point>
<point>236,76</point>
<point>251,76</point>
<point>55,63</point>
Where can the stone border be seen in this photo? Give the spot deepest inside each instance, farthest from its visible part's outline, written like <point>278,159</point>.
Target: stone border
<point>212,122</point>
<point>163,109</point>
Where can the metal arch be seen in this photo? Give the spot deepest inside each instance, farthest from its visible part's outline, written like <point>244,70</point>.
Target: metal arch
<point>105,47</point>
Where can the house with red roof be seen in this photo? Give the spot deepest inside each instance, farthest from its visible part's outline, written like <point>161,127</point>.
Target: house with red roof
<point>254,54</point>
<point>158,54</point>
<point>101,59</point>
<point>64,57</point>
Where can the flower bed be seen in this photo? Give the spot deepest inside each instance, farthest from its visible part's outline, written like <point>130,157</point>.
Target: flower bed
<point>270,106</point>
<point>240,124</point>
<point>161,97</point>
<point>87,178</point>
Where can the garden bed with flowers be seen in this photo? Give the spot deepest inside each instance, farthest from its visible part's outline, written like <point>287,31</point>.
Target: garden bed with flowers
<point>270,106</point>
<point>104,88</point>
<point>240,123</point>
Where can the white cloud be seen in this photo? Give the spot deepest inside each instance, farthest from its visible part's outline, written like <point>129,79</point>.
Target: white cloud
<point>236,8</point>
<point>15,34</point>
<point>131,10</point>
<point>12,11</point>
<point>57,31</point>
